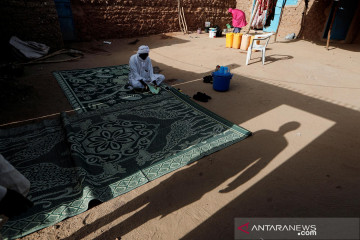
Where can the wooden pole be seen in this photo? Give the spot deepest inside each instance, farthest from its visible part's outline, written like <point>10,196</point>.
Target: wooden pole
<point>331,25</point>
<point>37,118</point>
<point>303,19</point>
<point>180,18</point>
<point>182,21</point>
<point>183,16</point>
<point>252,14</point>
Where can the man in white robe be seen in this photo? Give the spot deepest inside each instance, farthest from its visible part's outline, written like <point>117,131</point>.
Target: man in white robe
<point>141,70</point>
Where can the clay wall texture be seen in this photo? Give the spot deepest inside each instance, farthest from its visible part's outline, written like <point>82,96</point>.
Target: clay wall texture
<point>291,20</point>
<point>316,18</point>
<point>99,19</point>
<point>30,20</point>
<point>37,20</point>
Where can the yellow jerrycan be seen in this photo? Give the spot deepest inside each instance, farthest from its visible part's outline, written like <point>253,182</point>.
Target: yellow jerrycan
<point>237,40</point>
<point>229,39</point>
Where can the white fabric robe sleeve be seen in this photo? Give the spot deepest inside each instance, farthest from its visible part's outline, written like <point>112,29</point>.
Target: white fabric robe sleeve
<point>134,75</point>
<point>12,178</point>
<point>151,70</point>
<point>3,192</point>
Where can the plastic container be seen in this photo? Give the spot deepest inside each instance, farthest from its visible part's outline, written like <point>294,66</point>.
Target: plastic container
<point>229,40</point>
<point>212,32</point>
<point>207,27</point>
<point>218,30</point>
<point>221,82</point>
<point>237,40</point>
<point>223,71</point>
<point>245,41</point>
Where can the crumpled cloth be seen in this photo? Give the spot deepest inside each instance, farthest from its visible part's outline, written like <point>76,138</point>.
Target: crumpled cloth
<point>29,49</point>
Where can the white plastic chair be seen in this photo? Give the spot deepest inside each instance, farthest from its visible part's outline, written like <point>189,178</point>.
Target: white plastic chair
<point>255,46</point>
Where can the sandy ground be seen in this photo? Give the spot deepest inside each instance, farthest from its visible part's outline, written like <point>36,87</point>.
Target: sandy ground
<point>303,160</point>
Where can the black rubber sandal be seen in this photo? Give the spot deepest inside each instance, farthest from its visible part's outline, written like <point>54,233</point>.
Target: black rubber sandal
<point>200,98</point>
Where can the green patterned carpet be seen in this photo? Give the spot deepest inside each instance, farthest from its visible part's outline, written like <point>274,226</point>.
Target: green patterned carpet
<point>96,88</point>
<point>105,153</point>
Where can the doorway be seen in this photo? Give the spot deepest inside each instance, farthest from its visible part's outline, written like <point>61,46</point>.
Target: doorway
<point>63,8</point>
<point>343,18</point>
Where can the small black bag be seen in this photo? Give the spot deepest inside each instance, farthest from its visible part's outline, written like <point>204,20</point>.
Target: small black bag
<point>218,31</point>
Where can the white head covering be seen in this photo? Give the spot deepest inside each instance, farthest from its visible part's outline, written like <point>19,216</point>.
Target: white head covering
<point>143,49</point>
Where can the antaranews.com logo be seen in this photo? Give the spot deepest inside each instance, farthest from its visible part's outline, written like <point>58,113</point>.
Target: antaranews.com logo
<point>297,228</point>
<point>303,230</point>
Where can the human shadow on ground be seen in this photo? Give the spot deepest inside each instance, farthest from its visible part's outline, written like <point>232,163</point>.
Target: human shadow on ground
<point>264,155</point>
<point>197,180</point>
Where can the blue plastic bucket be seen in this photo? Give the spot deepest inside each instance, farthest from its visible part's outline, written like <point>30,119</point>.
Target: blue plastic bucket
<point>221,82</point>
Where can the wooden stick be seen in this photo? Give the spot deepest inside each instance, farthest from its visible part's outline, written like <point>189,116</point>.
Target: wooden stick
<point>51,55</point>
<point>183,15</point>
<point>183,23</point>
<point>331,25</point>
<point>252,15</point>
<point>303,20</point>
<point>37,118</point>
<point>180,19</point>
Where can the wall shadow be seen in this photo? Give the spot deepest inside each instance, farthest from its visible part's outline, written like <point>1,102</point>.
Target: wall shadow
<point>196,181</point>
<point>321,180</point>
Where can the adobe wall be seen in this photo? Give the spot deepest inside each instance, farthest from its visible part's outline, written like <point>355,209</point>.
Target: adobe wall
<point>246,7</point>
<point>30,20</point>
<point>102,19</point>
<point>37,20</point>
<point>291,20</point>
<point>315,19</point>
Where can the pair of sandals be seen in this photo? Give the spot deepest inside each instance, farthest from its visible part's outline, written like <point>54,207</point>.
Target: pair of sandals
<point>202,97</point>
<point>208,79</point>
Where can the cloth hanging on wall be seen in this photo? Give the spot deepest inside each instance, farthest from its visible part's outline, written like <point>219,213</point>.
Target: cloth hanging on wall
<point>263,14</point>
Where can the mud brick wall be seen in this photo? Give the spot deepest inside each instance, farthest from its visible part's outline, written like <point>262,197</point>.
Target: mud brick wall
<point>315,19</point>
<point>102,19</point>
<point>37,20</point>
<point>246,7</point>
<point>291,20</point>
<point>30,20</point>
